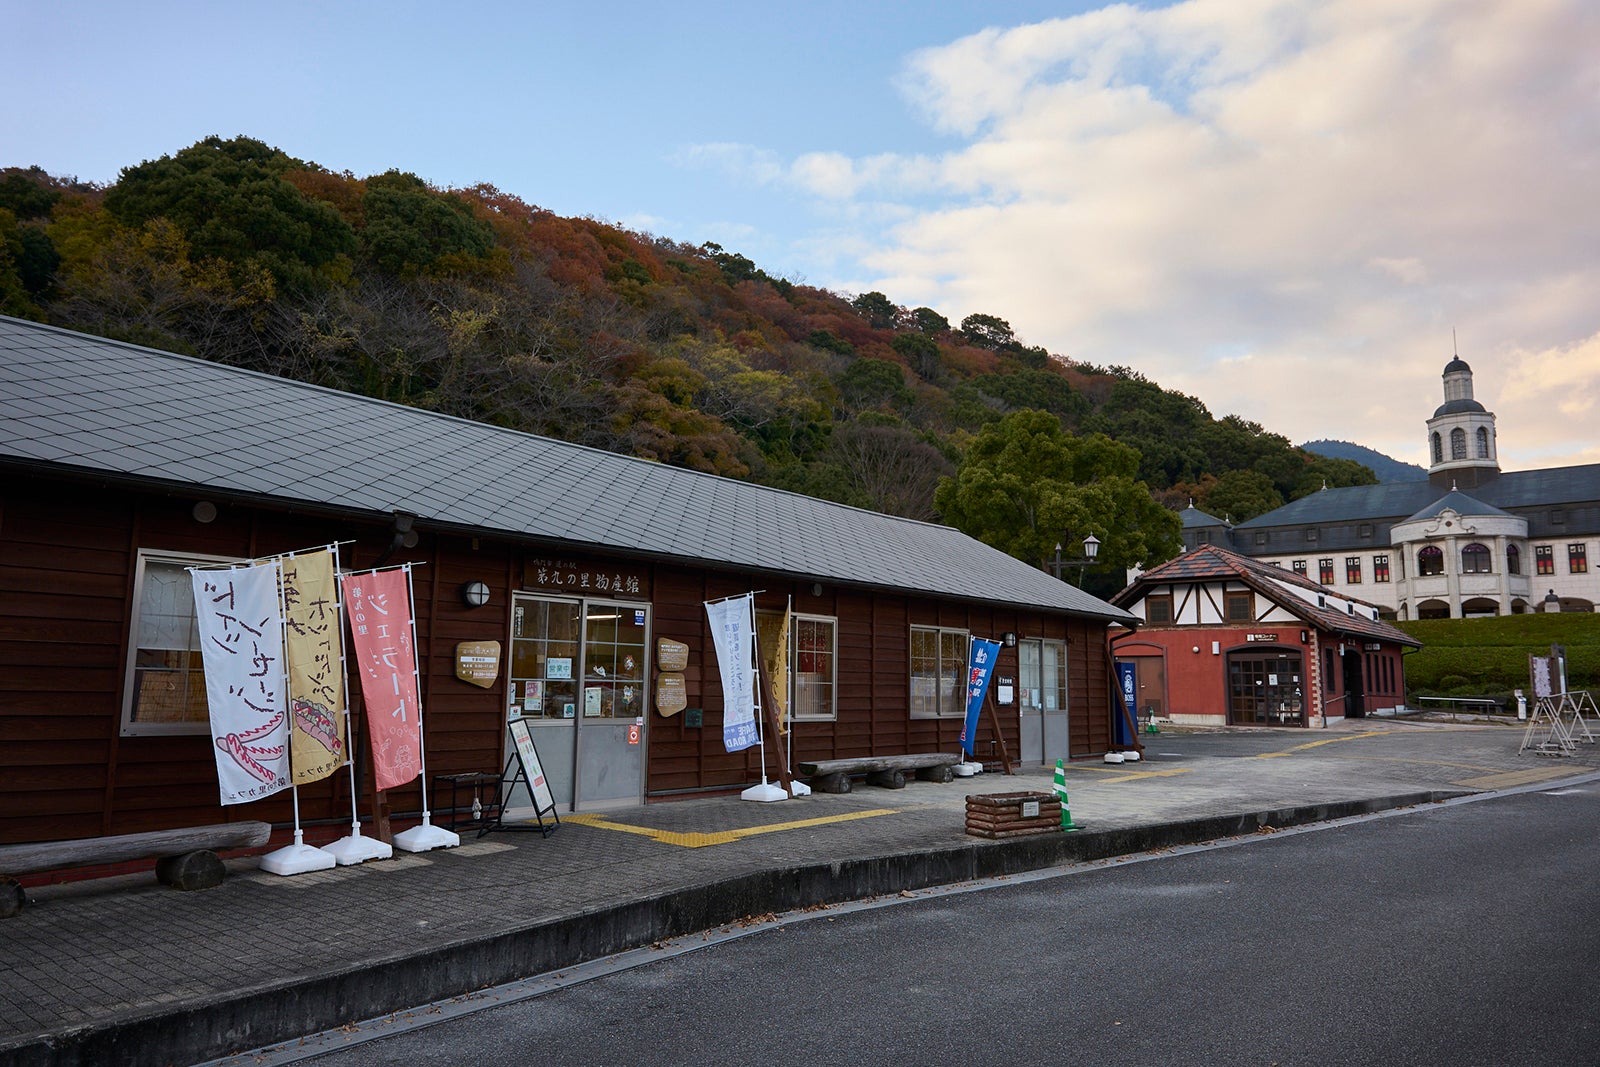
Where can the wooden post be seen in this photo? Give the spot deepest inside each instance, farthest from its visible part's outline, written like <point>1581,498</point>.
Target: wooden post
<point>994,717</point>
<point>1115,688</point>
<point>774,733</point>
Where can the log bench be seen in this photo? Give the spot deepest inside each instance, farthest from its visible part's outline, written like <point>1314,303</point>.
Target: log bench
<point>833,775</point>
<point>185,858</point>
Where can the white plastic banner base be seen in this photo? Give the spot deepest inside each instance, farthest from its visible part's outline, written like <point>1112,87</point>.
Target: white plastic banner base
<point>425,838</point>
<point>800,789</point>
<point>349,851</point>
<point>766,793</point>
<point>297,859</point>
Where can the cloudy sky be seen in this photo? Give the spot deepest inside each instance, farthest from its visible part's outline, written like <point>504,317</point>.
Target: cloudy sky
<point>1283,207</point>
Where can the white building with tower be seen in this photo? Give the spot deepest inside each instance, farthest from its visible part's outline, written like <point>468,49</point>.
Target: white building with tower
<point>1470,540</point>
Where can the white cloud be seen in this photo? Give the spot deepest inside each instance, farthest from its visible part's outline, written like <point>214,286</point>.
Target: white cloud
<point>1322,189</point>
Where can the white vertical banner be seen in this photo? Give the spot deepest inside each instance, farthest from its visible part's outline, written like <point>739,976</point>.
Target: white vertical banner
<point>240,620</point>
<point>733,634</point>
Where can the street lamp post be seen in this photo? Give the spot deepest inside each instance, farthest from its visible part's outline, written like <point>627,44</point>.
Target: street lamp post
<point>1091,548</point>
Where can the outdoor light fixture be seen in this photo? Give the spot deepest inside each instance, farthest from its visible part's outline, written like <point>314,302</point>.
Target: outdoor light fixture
<point>816,588</point>
<point>204,511</point>
<point>474,594</point>
<point>1009,639</point>
<point>1091,549</point>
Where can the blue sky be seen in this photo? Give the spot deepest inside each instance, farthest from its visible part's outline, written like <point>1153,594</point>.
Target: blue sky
<point>1282,207</point>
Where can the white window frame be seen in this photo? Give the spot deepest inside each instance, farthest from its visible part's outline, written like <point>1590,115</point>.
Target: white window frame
<point>832,680</point>
<point>131,727</point>
<point>959,671</point>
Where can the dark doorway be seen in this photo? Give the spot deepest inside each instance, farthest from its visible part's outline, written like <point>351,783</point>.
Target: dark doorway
<point>1264,686</point>
<point>1355,698</point>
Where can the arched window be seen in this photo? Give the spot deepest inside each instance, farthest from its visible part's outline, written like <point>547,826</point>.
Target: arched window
<point>1475,559</point>
<point>1513,560</point>
<point>1458,443</point>
<point>1438,449</point>
<point>1430,560</point>
<point>1483,442</point>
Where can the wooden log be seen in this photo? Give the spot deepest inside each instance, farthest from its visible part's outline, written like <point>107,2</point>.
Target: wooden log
<point>86,852</point>
<point>12,898</point>
<point>862,764</point>
<point>837,782</point>
<point>995,835</point>
<point>201,869</point>
<point>1021,824</point>
<point>889,779</point>
<point>943,774</point>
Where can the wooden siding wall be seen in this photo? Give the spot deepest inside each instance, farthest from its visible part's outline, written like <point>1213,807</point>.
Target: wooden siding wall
<point>67,563</point>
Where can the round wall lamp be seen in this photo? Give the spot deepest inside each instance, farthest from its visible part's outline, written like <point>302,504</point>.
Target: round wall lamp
<point>816,588</point>
<point>474,594</point>
<point>204,511</point>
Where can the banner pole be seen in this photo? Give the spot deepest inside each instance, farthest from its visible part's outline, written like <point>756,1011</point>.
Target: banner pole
<point>352,848</point>
<point>426,836</point>
<point>765,792</point>
<point>299,857</point>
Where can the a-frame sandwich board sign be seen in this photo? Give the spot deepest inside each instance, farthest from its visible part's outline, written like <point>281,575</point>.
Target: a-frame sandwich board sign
<point>524,759</point>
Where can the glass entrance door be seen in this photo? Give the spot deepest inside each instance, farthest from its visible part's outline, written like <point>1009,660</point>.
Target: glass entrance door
<point>1042,701</point>
<point>578,677</point>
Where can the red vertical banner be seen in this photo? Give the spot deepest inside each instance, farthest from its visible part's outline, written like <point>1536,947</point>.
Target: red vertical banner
<point>378,604</point>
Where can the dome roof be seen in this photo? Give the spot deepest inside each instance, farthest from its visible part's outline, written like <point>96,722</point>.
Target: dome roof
<point>1457,364</point>
<point>1457,407</point>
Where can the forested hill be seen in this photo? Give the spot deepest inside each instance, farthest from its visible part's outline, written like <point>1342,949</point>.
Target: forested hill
<point>478,304</point>
<point>1386,468</point>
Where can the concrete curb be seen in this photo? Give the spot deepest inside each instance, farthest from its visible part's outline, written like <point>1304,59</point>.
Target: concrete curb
<point>364,989</point>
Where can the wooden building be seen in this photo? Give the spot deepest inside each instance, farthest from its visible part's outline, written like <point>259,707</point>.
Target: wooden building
<point>121,465</point>
<point>1228,640</point>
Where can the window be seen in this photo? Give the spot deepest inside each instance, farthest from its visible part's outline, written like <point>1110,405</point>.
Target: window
<point>1380,568</point>
<point>938,672</point>
<point>1158,609</point>
<point>1202,537</point>
<point>1483,442</point>
<point>1325,571</point>
<point>1458,443</point>
<point>1239,606</point>
<point>1475,559</point>
<point>1578,559</point>
<point>1544,559</point>
<point>1438,449</point>
<point>1300,567</point>
<point>814,672</point>
<point>165,691</point>
<point>1352,570</point>
<point>1558,517</point>
<point>1430,560</point>
<point>1364,530</point>
<point>1311,535</point>
<point>1261,537</point>
<point>1513,560</point>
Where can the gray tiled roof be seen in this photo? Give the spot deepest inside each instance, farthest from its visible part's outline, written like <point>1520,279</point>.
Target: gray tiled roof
<point>1461,504</point>
<point>75,401</point>
<point>1394,501</point>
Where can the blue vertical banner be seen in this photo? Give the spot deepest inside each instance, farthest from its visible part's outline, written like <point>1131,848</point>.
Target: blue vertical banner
<point>1127,680</point>
<point>980,666</point>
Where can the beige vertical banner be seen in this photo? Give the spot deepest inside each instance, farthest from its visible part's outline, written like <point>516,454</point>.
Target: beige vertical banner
<point>316,668</point>
<point>772,634</point>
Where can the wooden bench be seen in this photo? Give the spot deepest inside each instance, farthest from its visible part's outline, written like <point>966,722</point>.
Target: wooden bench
<point>833,775</point>
<point>185,858</point>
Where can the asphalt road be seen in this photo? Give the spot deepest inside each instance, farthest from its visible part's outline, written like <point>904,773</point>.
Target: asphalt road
<point>1459,934</point>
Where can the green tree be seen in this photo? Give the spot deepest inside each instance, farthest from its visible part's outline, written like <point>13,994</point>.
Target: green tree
<point>879,311</point>
<point>873,385</point>
<point>230,202</point>
<point>409,226</point>
<point>929,321</point>
<point>920,352</point>
<point>1026,485</point>
<point>987,331</point>
<point>1242,494</point>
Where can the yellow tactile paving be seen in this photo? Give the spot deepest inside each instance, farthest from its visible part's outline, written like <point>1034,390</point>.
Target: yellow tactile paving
<point>720,837</point>
<point>1508,779</point>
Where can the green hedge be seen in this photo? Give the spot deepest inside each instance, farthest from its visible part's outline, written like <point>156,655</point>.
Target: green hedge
<point>1489,657</point>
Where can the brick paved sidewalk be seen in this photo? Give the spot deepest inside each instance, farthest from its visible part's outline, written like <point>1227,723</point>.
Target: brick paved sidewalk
<point>123,970</point>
